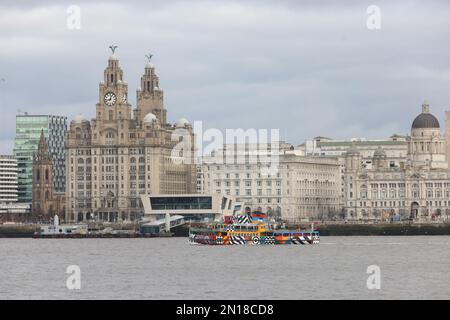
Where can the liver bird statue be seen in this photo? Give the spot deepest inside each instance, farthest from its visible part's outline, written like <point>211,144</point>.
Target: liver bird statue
<point>113,48</point>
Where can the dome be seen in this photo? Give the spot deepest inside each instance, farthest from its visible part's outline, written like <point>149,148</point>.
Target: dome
<point>79,118</point>
<point>182,122</point>
<point>113,57</point>
<point>379,153</point>
<point>149,66</point>
<point>149,118</point>
<point>425,120</point>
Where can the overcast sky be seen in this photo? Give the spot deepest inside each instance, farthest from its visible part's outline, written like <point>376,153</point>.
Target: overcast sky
<point>308,69</point>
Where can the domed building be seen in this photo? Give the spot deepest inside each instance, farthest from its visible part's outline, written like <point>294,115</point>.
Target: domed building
<point>181,123</point>
<point>123,154</point>
<point>418,189</point>
<point>150,118</point>
<point>426,145</point>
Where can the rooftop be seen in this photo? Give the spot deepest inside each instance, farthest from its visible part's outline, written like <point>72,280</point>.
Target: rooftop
<point>361,143</point>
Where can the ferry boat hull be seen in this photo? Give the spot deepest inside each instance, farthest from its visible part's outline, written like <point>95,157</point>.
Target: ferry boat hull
<point>250,229</point>
<point>247,240</point>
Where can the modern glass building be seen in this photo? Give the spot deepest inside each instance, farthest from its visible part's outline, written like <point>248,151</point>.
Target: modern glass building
<point>193,207</point>
<point>28,132</point>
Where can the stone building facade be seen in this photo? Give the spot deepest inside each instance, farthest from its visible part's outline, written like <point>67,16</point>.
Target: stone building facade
<point>121,154</point>
<point>419,189</point>
<point>300,187</point>
<point>395,147</point>
<point>46,200</point>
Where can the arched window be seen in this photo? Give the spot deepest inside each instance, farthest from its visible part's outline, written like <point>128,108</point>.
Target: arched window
<point>415,190</point>
<point>47,176</point>
<point>363,194</point>
<point>78,133</point>
<point>38,175</point>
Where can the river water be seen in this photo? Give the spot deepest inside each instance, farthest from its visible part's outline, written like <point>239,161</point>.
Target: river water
<point>414,267</point>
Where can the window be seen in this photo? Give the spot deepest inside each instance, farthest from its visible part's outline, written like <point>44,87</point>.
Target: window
<point>181,203</point>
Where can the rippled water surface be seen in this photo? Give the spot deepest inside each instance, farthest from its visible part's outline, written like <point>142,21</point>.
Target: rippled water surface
<point>411,267</point>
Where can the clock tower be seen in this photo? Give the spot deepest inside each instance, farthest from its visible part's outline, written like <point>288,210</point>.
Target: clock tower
<point>113,103</point>
<point>150,97</point>
<point>119,156</point>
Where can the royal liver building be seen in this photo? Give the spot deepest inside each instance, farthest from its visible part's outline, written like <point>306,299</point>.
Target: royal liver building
<point>114,158</point>
<point>417,189</point>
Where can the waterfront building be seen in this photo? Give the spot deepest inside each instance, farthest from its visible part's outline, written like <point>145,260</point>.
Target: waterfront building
<point>28,132</point>
<point>8,179</point>
<point>395,147</point>
<point>120,155</point>
<point>193,207</point>
<point>15,211</point>
<point>417,189</point>
<point>276,180</point>
<point>46,200</point>
<point>426,145</point>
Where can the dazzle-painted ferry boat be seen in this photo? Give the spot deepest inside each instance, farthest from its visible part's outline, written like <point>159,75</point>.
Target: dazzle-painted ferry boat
<point>250,229</point>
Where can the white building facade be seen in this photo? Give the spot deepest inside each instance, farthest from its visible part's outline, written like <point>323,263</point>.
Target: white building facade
<point>418,189</point>
<point>287,186</point>
<point>8,179</point>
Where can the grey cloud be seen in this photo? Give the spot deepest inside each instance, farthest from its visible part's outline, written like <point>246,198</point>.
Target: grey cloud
<point>306,68</point>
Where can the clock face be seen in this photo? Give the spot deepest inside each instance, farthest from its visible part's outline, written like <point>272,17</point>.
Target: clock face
<point>110,99</point>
